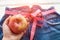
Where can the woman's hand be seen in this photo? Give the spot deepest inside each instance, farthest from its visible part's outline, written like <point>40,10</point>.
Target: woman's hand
<point>7,34</point>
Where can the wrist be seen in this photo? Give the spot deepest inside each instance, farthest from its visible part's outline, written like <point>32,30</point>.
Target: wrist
<point>5,38</point>
<point>9,38</point>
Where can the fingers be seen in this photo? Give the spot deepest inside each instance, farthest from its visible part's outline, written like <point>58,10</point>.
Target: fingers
<point>6,21</point>
<point>6,30</point>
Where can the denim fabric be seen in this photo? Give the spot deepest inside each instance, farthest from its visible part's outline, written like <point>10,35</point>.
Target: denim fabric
<point>49,31</point>
<point>51,27</point>
<point>1,34</point>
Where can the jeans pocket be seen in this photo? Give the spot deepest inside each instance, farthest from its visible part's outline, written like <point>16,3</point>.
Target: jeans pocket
<point>53,21</point>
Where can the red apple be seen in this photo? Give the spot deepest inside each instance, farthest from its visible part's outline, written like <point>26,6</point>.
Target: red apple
<point>18,24</point>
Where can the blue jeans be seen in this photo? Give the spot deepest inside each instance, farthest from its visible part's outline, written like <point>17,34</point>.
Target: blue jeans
<point>49,31</point>
<point>51,27</point>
